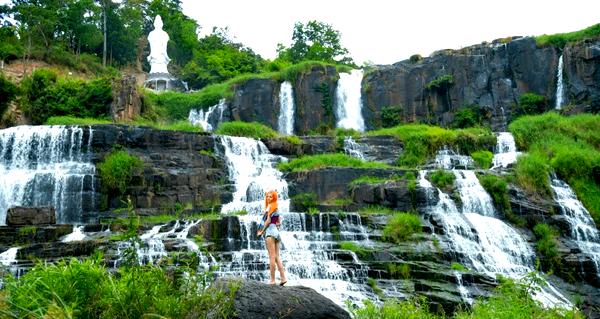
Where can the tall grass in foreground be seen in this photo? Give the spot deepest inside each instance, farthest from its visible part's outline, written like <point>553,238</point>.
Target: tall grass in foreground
<point>568,145</point>
<point>86,289</point>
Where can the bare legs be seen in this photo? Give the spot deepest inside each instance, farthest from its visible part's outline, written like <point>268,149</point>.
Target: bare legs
<point>274,260</point>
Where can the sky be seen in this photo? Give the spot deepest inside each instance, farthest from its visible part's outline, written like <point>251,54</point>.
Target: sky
<point>385,32</point>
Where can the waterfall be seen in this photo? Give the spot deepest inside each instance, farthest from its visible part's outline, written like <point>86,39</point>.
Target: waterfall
<point>354,149</point>
<point>506,151</point>
<point>285,123</point>
<point>76,235</point>
<point>309,249</point>
<point>348,101</point>
<point>482,242</point>
<point>560,91</point>
<point>448,159</point>
<point>473,197</point>
<point>9,257</point>
<point>252,168</point>
<point>464,292</point>
<point>48,166</point>
<point>208,119</point>
<point>583,229</point>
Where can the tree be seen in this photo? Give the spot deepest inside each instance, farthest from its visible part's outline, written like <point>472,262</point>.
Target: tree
<point>316,41</point>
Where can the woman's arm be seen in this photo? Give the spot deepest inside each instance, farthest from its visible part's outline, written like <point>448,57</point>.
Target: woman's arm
<point>265,225</point>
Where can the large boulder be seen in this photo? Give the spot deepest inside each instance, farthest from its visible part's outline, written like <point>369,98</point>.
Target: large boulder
<point>127,103</point>
<point>23,216</point>
<point>255,300</point>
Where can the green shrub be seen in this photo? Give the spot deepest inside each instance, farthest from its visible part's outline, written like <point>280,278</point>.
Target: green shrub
<point>458,267</point>
<point>313,162</point>
<point>305,201</point>
<point>531,103</point>
<point>391,116</point>
<point>401,227</point>
<point>546,245</point>
<point>442,179</point>
<point>293,139</point>
<point>177,106</point>
<point>496,186</point>
<point>442,82</point>
<point>375,210</point>
<point>483,159</point>
<point>412,308</point>
<point>253,130</point>
<point>117,169</point>
<point>399,270</point>
<point>45,95</point>
<point>362,252</point>
<point>559,40</point>
<point>532,174</point>
<point>8,92</point>
<point>470,116</point>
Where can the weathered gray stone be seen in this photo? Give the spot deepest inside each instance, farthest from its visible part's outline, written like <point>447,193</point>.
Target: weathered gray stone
<point>127,103</point>
<point>255,300</point>
<point>22,216</point>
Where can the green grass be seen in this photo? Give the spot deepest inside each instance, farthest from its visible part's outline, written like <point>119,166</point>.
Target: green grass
<point>70,120</point>
<point>177,106</point>
<point>568,145</point>
<point>442,179</point>
<point>376,210</point>
<point>458,267</point>
<point>313,162</point>
<point>305,201</point>
<point>559,40</point>
<point>546,245</point>
<point>497,187</point>
<point>253,130</point>
<point>483,158</point>
<point>181,125</point>
<point>354,247</point>
<point>401,227</point>
<point>367,179</point>
<point>423,141</point>
<point>293,139</point>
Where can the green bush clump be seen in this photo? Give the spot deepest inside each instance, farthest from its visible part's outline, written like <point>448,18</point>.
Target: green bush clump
<point>86,289</point>
<point>483,158</point>
<point>391,116</point>
<point>117,169</point>
<point>470,116</point>
<point>442,82</point>
<point>531,103</point>
<point>177,106</point>
<point>422,141</point>
<point>70,120</point>
<point>568,145</point>
<point>559,40</point>
<point>362,252</point>
<point>496,186</point>
<point>305,201</point>
<point>244,129</point>
<point>401,227</point>
<point>46,95</point>
<point>8,92</point>
<point>546,245</point>
<point>532,174</point>
<point>412,308</point>
<point>442,179</point>
<point>313,162</point>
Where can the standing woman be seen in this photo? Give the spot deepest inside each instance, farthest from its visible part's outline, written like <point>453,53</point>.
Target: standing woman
<point>270,228</point>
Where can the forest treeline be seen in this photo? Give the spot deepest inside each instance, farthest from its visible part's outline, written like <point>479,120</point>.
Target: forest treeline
<point>90,35</point>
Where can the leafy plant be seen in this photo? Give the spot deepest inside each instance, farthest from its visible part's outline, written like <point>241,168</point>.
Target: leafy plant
<point>442,179</point>
<point>483,158</point>
<point>441,82</point>
<point>546,245</point>
<point>312,162</point>
<point>401,227</point>
<point>117,170</point>
<point>253,130</point>
<point>391,116</point>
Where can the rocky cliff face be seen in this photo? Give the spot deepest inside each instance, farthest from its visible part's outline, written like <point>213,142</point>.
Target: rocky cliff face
<point>179,168</point>
<point>582,74</point>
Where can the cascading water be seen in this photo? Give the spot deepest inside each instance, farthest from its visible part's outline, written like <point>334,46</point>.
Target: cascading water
<point>353,149</point>
<point>76,235</point>
<point>484,243</point>
<point>309,250</point>
<point>506,151</point>
<point>560,94</point>
<point>285,122</point>
<point>448,159</point>
<point>473,197</point>
<point>208,119</point>
<point>48,166</point>
<point>348,101</point>
<point>583,229</point>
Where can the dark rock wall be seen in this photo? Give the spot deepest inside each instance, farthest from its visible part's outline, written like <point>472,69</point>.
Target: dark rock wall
<point>582,74</point>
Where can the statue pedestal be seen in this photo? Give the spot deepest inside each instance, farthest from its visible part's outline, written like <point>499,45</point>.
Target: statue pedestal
<point>160,82</point>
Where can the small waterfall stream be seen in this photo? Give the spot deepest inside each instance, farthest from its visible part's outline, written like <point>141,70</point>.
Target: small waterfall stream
<point>285,122</point>
<point>48,166</point>
<point>348,101</point>
<point>560,91</point>
<point>506,151</point>
<point>583,228</point>
<point>352,148</point>
<point>208,120</point>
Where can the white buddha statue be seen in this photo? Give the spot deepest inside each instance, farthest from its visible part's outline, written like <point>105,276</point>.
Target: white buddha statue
<point>158,40</point>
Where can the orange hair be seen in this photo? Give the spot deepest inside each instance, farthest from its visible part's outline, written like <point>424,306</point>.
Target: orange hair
<point>273,202</point>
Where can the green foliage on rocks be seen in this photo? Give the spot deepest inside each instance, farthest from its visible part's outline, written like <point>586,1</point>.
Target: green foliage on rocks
<point>305,201</point>
<point>44,95</point>
<point>391,116</point>
<point>530,104</point>
<point>117,169</point>
<point>401,227</point>
<point>71,120</point>
<point>559,40</point>
<point>546,245</point>
<point>253,130</point>
<point>442,179</point>
<point>483,158</point>
<point>568,145</point>
<point>423,141</point>
<point>442,82</point>
<point>312,162</point>
<point>470,116</point>
<point>532,174</point>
